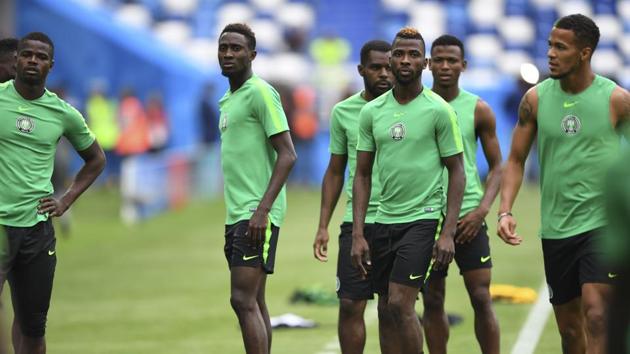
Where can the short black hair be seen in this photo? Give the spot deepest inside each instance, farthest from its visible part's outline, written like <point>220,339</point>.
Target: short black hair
<point>585,30</point>
<point>244,30</point>
<point>8,47</point>
<point>446,40</point>
<point>409,33</point>
<point>376,45</point>
<point>40,37</point>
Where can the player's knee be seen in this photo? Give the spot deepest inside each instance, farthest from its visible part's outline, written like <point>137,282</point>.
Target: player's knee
<point>480,299</point>
<point>433,300</point>
<point>571,332</point>
<point>242,304</point>
<point>400,310</point>
<point>351,308</point>
<point>595,321</point>
<point>34,326</point>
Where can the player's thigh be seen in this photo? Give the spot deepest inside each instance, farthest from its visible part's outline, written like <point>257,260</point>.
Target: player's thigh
<point>562,267</point>
<point>413,246</point>
<point>350,282</point>
<point>31,278</point>
<point>474,254</point>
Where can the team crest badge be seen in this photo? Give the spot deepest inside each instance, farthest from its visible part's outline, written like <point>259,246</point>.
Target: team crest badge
<point>25,124</point>
<point>571,125</point>
<point>397,132</point>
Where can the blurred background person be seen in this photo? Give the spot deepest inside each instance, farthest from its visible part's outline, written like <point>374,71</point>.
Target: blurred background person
<point>101,114</point>
<point>8,48</point>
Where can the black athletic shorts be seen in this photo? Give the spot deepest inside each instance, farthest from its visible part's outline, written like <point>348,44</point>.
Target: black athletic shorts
<point>471,255</point>
<point>573,261</point>
<point>29,265</point>
<point>239,252</point>
<point>349,282</point>
<point>401,253</point>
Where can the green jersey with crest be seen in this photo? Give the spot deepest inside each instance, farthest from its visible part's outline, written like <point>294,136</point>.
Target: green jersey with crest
<point>464,105</point>
<point>576,144</point>
<point>29,133</point>
<point>249,117</point>
<point>410,141</point>
<point>344,132</point>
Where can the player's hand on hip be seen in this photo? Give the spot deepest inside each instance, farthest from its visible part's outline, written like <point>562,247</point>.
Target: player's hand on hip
<point>468,227</point>
<point>257,227</point>
<point>52,206</point>
<point>360,255</point>
<point>320,246</point>
<point>506,229</point>
<point>443,251</point>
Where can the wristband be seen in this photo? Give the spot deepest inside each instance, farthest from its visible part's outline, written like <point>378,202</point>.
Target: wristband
<point>502,215</point>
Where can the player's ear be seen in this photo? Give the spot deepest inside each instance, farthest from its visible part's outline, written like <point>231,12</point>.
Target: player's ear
<point>52,63</point>
<point>464,64</point>
<point>429,63</point>
<point>586,53</point>
<point>252,54</point>
<point>361,69</point>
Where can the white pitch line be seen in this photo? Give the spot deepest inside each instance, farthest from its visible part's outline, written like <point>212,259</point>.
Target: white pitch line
<point>532,329</point>
<point>332,347</point>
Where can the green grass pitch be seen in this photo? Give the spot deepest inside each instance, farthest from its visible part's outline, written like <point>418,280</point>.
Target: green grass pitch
<point>161,287</point>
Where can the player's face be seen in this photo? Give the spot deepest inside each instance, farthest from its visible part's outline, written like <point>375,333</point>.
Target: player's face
<point>34,61</point>
<point>377,74</point>
<point>235,57</point>
<point>564,53</point>
<point>407,60</point>
<point>7,68</point>
<point>446,64</point>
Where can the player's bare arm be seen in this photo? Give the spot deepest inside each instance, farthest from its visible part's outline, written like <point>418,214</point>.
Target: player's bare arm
<point>620,108</point>
<point>94,159</point>
<point>361,190</point>
<point>283,145</point>
<point>485,128</point>
<point>444,248</point>
<point>332,185</point>
<point>522,139</point>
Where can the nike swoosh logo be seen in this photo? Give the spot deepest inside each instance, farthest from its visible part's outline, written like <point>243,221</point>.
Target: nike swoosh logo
<point>569,104</point>
<point>50,253</point>
<point>612,275</point>
<point>485,259</point>
<point>247,258</point>
<point>24,109</point>
<point>414,277</point>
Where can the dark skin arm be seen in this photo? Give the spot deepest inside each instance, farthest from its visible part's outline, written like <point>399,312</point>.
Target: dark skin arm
<point>444,248</point>
<point>332,185</point>
<point>522,139</point>
<point>361,189</point>
<point>94,159</point>
<point>283,145</point>
<point>485,128</point>
<point>620,109</point>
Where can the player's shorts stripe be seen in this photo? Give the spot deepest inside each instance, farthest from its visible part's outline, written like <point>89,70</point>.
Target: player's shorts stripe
<point>271,107</point>
<point>267,241</point>
<point>437,235</point>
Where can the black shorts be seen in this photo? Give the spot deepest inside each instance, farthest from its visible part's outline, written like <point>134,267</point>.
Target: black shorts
<point>572,262</point>
<point>240,253</point>
<point>401,253</point>
<point>349,282</point>
<point>29,265</point>
<point>472,255</point>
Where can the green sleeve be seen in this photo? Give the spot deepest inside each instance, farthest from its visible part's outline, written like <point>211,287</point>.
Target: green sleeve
<point>338,140</point>
<point>366,136</point>
<point>268,109</point>
<point>76,130</point>
<point>449,137</point>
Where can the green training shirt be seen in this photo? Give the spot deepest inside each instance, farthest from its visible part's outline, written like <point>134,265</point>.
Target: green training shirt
<point>29,133</point>
<point>464,105</point>
<point>344,132</point>
<point>410,141</point>
<point>249,117</point>
<point>576,144</point>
